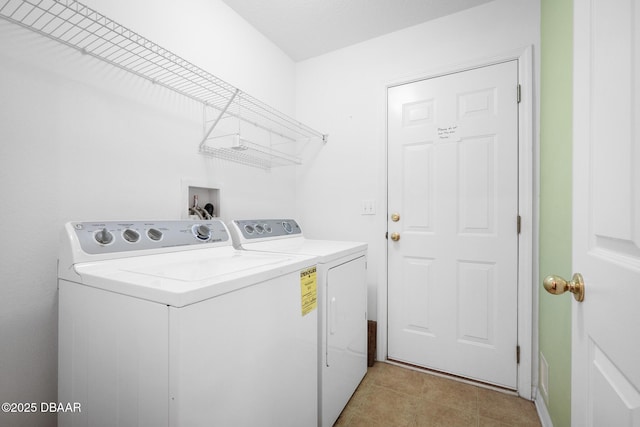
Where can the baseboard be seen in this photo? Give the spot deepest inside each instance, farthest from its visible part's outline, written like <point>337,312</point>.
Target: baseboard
<point>543,412</point>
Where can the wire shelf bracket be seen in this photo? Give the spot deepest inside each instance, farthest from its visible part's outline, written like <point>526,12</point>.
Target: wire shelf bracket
<point>82,28</point>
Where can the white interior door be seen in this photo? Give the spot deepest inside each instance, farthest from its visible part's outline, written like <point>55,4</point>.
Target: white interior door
<point>606,218</point>
<point>453,183</point>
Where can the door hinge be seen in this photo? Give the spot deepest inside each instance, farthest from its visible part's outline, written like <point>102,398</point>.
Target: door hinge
<point>386,235</point>
<point>519,224</point>
<point>519,97</point>
<point>518,354</point>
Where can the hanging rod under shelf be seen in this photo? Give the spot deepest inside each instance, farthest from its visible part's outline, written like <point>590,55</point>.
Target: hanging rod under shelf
<point>82,28</point>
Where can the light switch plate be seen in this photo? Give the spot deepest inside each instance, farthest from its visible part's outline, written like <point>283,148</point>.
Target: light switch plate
<point>368,207</point>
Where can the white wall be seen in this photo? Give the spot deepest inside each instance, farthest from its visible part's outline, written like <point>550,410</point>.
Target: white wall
<point>343,93</point>
<point>81,140</point>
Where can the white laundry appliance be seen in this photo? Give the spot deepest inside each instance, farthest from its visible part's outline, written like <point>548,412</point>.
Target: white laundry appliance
<point>164,323</point>
<point>342,302</point>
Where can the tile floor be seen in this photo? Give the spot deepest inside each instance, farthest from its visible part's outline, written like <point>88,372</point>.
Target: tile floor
<point>393,396</point>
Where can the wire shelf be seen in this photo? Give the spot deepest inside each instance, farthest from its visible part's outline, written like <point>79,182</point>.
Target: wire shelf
<point>82,28</point>
<point>235,148</point>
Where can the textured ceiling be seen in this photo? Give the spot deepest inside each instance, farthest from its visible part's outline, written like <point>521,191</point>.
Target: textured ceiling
<point>308,28</point>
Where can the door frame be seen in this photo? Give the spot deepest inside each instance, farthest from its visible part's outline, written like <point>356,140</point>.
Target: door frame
<point>527,208</point>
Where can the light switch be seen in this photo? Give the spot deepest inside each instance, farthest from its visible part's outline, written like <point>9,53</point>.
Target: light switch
<point>368,207</point>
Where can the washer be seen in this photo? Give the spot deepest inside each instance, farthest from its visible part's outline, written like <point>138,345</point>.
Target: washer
<point>164,323</point>
<point>342,294</point>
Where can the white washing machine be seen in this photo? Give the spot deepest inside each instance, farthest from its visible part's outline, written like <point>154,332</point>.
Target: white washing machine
<point>164,323</point>
<point>342,302</point>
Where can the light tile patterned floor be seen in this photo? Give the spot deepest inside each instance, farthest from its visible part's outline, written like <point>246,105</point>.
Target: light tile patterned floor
<point>393,396</point>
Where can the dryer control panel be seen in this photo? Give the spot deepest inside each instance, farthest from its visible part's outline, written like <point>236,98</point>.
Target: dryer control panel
<point>253,229</point>
<point>123,236</point>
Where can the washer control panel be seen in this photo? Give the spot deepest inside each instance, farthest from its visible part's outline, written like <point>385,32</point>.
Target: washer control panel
<point>261,228</point>
<point>122,236</point>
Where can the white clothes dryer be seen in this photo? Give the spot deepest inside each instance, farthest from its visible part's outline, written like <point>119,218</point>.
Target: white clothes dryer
<point>342,303</point>
<point>164,323</point>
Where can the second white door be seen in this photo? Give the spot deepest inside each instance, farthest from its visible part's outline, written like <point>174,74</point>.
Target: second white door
<point>453,185</point>
<point>605,350</point>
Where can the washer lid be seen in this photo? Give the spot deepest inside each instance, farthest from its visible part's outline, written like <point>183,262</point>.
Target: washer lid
<point>182,278</point>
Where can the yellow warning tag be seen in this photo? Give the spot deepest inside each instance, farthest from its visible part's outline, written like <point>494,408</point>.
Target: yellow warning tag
<point>309,290</point>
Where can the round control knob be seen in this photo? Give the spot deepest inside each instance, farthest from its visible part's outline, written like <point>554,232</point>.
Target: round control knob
<point>249,229</point>
<point>130,235</point>
<point>287,227</point>
<point>202,232</point>
<point>104,237</point>
<point>259,228</point>
<point>154,234</point>
<point>267,228</point>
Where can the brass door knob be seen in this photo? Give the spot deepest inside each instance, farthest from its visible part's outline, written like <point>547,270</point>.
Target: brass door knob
<point>556,285</point>
<point>395,236</point>
<point>395,217</point>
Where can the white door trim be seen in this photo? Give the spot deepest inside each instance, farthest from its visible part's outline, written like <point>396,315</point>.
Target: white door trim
<point>527,258</point>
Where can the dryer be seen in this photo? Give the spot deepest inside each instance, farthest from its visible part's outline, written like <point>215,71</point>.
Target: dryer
<point>164,323</point>
<point>342,302</point>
